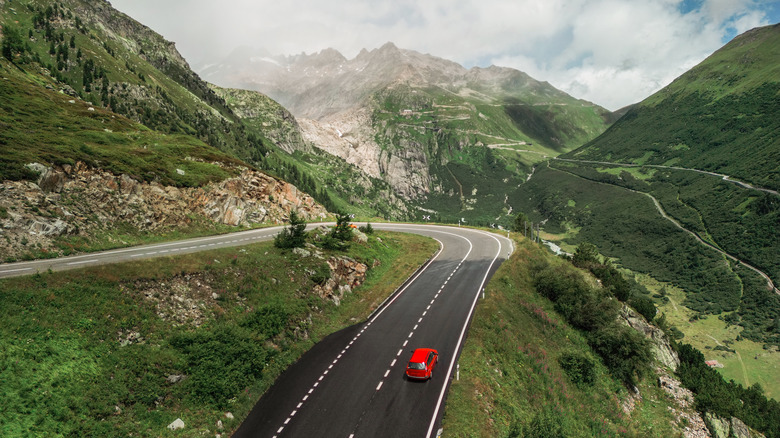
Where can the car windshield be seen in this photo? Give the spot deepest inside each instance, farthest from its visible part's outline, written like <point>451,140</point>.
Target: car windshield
<point>416,365</point>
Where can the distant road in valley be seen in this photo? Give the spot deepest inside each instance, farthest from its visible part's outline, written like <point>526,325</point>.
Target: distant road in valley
<point>770,283</point>
<point>726,178</point>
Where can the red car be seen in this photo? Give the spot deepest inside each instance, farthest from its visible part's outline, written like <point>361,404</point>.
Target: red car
<point>421,364</point>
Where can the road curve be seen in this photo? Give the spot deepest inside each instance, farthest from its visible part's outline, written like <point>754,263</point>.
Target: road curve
<point>351,384</point>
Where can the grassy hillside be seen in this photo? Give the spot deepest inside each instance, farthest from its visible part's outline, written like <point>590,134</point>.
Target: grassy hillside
<point>100,58</point>
<point>512,378</point>
<point>124,350</point>
<point>478,148</point>
<point>525,370</point>
<point>721,116</point>
<point>42,125</point>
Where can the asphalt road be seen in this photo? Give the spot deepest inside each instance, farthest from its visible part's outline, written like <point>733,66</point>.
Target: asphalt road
<point>352,383</point>
<point>138,252</point>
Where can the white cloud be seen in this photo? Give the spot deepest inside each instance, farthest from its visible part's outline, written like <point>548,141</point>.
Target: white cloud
<point>612,52</point>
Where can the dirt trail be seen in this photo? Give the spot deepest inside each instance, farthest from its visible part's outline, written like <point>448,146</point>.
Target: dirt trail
<point>739,357</point>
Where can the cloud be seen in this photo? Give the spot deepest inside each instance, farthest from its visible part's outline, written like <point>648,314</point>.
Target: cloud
<point>612,52</point>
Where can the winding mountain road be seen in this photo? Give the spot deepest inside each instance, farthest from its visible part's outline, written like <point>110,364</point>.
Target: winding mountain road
<point>724,177</point>
<point>352,383</point>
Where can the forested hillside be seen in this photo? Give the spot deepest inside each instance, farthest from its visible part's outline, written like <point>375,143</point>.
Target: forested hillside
<point>682,190</point>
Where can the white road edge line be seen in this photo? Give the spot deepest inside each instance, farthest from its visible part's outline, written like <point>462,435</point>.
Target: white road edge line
<point>462,335</point>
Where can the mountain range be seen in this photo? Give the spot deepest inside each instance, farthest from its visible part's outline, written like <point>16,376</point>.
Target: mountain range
<point>419,122</point>
<point>109,138</point>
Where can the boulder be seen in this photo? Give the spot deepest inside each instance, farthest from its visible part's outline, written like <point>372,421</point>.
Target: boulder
<point>177,424</point>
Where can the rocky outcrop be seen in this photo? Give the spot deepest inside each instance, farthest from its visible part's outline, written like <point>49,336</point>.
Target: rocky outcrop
<point>79,201</point>
<point>682,407</point>
<point>660,345</point>
<point>262,112</point>
<point>729,428</point>
<point>346,274</point>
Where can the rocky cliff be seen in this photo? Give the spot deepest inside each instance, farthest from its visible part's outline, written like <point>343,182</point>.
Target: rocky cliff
<point>68,201</point>
<point>422,124</point>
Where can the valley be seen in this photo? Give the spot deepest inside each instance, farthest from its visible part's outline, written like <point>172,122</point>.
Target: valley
<point>110,140</point>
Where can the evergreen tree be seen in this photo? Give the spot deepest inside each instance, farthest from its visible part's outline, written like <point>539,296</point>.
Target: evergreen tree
<point>293,236</point>
<point>12,43</point>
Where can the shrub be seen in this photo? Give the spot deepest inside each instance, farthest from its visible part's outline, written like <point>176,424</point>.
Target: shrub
<point>322,274</point>
<point>585,254</point>
<point>221,363</point>
<point>644,306</point>
<point>339,236</point>
<point>367,229</point>
<point>269,320</point>
<point>578,367</point>
<point>624,351</point>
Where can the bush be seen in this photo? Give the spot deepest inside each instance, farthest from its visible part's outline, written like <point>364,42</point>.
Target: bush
<point>322,274</point>
<point>269,320</point>
<point>221,363</point>
<point>644,306</point>
<point>339,236</point>
<point>367,229</point>
<point>585,254</point>
<point>579,368</point>
<point>624,351</point>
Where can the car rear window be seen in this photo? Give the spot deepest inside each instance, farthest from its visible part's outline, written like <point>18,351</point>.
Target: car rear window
<point>417,365</point>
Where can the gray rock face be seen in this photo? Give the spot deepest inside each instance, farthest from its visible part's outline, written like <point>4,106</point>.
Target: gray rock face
<point>729,428</point>
<point>660,345</point>
<point>77,200</point>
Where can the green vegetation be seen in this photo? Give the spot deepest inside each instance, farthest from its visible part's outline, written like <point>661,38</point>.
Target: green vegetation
<point>627,227</point>
<point>525,372</point>
<point>340,236</point>
<point>520,357</point>
<point>107,352</point>
<point>42,126</point>
<point>720,116</point>
<point>713,394</point>
<point>293,236</point>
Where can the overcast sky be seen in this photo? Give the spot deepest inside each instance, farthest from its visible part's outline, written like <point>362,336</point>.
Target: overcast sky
<point>611,52</point>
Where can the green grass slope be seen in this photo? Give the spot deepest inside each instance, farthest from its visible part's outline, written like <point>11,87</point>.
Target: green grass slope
<point>517,372</point>
<point>721,116</point>
<point>93,53</point>
<point>91,352</point>
<point>44,126</point>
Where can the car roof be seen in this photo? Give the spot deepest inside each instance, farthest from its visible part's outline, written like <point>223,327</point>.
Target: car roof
<point>421,354</point>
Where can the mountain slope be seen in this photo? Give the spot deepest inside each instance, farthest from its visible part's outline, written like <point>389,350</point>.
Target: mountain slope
<point>650,193</point>
<point>78,175</point>
<point>720,116</point>
<point>456,142</point>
